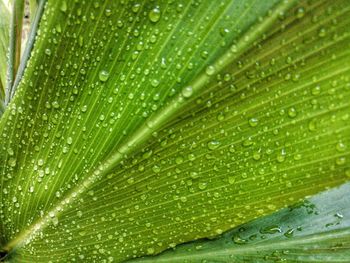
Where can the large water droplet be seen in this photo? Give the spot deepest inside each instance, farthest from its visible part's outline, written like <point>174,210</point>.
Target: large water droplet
<point>154,15</point>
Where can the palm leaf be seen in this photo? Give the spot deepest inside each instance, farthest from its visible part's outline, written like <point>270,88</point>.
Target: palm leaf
<point>137,127</point>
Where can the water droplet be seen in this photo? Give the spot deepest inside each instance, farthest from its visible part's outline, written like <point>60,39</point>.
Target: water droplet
<point>55,104</point>
<point>10,151</point>
<point>156,169</point>
<point>341,147</point>
<point>231,179</point>
<point>154,15</point>
<point>212,145</point>
<point>155,83</point>
<point>187,92</point>
<point>69,140</point>
<point>289,233</point>
<point>108,12</point>
<point>238,240</point>
<point>253,122</point>
<point>300,12</point>
<point>210,70</point>
<point>292,112</point>
<point>194,175</point>
<point>103,75</point>
<point>340,160</point>
<point>316,90</point>
<point>270,230</point>
<point>150,250</point>
<point>12,162</point>
<point>63,6</point>
<point>322,32</point>
<point>48,51</point>
<point>281,156</point>
<point>202,185</point>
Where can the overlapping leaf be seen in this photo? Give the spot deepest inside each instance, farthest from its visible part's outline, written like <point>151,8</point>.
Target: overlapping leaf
<point>317,230</point>
<point>4,42</point>
<point>246,133</point>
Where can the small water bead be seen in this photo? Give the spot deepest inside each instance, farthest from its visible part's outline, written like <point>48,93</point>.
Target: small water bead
<point>281,156</point>
<point>341,147</point>
<point>316,90</point>
<point>322,32</point>
<point>12,162</point>
<point>150,251</point>
<point>204,54</point>
<point>292,112</point>
<point>238,240</point>
<point>289,233</point>
<point>84,108</point>
<point>103,75</point>
<point>10,151</point>
<point>256,156</point>
<point>187,92</point>
<point>312,125</point>
<point>155,83</point>
<point>340,160</point>
<point>136,7</point>
<point>48,51</point>
<point>248,142</point>
<point>108,12</point>
<point>69,140</point>
<point>270,230</point>
<point>55,104</point>
<point>253,122</point>
<point>202,185</point>
<point>63,6</point>
<point>220,117</point>
<point>156,169</point>
<point>179,160</point>
<point>210,70</point>
<point>231,179</point>
<point>347,172</point>
<point>212,145</point>
<point>154,15</point>
<point>194,175</point>
<point>300,12</point>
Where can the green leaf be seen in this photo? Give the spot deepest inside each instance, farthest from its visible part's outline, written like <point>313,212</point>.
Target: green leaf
<point>317,230</point>
<point>14,54</point>
<point>137,127</point>
<point>4,42</point>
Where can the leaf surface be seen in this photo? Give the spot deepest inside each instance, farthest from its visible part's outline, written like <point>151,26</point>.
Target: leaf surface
<point>317,230</point>
<point>169,122</point>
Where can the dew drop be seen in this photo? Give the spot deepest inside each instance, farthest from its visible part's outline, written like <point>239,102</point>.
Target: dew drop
<point>212,145</point>
<point>103,75</point>
<point>253,122</point>
<point>341,147</point>
<point>12,162</point>
<point>187,92</point>
<point>292,112</point>
<point>154,15</point>
<point>210,70</point>
<point>202,185</point>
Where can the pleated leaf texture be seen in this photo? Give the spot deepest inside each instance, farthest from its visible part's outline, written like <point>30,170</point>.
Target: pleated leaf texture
<point>138,126</point>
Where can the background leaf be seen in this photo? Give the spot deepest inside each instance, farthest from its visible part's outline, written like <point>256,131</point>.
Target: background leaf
<point>4,43</point>
<point>15,43</point>
<point>317,230</point>
<point>269,126</point>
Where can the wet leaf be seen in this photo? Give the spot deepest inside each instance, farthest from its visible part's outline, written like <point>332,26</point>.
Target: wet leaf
<point>140,126</point>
